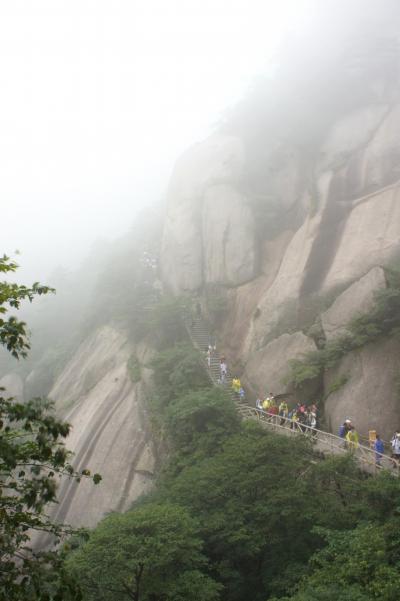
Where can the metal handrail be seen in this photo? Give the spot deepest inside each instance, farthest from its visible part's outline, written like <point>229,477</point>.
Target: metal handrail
<point>334,444</point>
<point>363,454</point>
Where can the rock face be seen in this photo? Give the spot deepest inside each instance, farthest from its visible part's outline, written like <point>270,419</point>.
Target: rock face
<point>228,224</point>
<point>285,289</point>
<point>379,164</point>
<point>340,228</point>
<point>99,354</point>
<point>267,368</point>
<point>209,234</point>
<point>356,300</point>
<point>370,396</point>
<point>370,237</point>
<point>350,134</point>
<point>110,432</point>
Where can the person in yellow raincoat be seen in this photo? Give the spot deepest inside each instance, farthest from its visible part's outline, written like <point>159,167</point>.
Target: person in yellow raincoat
<point>283,409</point>
<point>266,404</point>
<point>236,385</point>
<point>352,439</point>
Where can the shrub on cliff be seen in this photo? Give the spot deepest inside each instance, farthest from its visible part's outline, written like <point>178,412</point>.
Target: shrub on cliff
<point>382,320</point>
<point>176,370</point>
<point>198,422</point>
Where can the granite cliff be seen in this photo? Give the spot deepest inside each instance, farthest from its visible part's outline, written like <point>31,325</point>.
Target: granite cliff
<point>329,229</point>
<point>285,226</point>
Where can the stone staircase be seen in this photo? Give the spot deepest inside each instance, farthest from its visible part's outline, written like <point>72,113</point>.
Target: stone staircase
<point>201,338</point>
<point>324,442</point>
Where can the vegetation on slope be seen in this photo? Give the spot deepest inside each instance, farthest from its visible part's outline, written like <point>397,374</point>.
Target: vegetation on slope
<point>383,320</point>
<point>256,512</point>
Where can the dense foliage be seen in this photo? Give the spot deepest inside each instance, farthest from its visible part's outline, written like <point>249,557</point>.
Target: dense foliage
<point>13,332</point>
<point>153,553</point>
<point>177,370</point>
<point>265,517</point>
<point>32,460</point>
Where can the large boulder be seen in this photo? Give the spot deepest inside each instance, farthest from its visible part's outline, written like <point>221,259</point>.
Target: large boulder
<point>358,299</point>
<point>279,297</point>
<point>218,160</point>
<point>349,135</point>
<point>369,395</point>
<point>267,368</point>
<point>371,236</point>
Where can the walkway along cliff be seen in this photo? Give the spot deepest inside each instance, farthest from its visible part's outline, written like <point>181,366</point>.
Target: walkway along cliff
<point>284,271</point>
<point>323,442</point>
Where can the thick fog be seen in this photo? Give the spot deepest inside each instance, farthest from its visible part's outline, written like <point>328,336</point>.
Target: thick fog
<point>98,98</point>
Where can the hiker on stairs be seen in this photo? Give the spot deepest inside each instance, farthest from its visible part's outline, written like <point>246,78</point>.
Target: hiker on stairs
<point>395,444</point>
<point>223,370</point>
<point>352,439</point>
<point>283,411</point>
<point>266,404</point>
<point>236,385</point>
<point>273,411</point>
<point>379,449</point>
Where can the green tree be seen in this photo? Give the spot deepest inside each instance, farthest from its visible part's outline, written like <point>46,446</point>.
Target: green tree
<point>201,420</point>
<point>32,459</point>
<point>177,370</point>
<point>13,332</point>
<point>151,554</point>
<point>357,565</point>
<point>252,511</point>
<point>258,500</point>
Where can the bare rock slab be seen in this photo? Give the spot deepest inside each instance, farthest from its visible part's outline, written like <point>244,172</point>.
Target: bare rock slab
<point>370,237</point>
<point>218,160</point>
<point>268,367</point>
<point>228,237</point>
<point>110,432</point>
<point>370,397</point>
<point>358,299</point>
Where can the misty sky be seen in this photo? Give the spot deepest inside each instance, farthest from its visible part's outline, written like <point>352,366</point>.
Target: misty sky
<point>98,98</point>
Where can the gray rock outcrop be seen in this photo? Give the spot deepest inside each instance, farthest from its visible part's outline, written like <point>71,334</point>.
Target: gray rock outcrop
<point>228,230</point>
<point>358,299</point>
<point>209,234</point>
<point>350,134</point>
<point>370,396</point>
<point>370,237</point>
<point>339,220</point>
<point>267,368</point>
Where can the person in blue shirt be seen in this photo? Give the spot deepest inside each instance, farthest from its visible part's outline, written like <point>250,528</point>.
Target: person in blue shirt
<point>379,449</point>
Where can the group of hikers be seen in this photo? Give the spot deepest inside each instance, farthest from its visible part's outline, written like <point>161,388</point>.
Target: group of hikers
<point>351,441</point>
<point>349,435</point>
<point>276,409</point>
